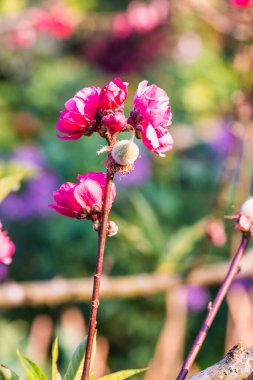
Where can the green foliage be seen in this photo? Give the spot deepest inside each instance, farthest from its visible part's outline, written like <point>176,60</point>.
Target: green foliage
<point>121,375</point>
<point>74,370</point>
<point>11,176</point>
<point>180,245</point>
<point>33,371</point>
<point>55,355</point>
<point>7,374</point>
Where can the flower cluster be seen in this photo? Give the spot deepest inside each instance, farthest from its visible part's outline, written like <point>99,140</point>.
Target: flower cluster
<point>83,200</point>
<point>7,247</point>
<point>101,110</point>
<point>93,108</point>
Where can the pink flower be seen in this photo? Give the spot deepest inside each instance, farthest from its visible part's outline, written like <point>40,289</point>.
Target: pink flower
<point>158,139</point>
<point>84,199</point>
<point>7,247</point>
<point>113,95</point>
<point>151,116</point>
<point>66,203</point>
<point>78,118</point>
<point>114,122</point>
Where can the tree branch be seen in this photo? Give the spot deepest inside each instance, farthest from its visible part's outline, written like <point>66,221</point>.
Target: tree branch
<point>237,365</point>
<point>61,290</point>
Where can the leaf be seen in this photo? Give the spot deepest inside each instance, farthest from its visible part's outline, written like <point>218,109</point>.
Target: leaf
<point>7,374</point>
<point>33,371</point>
<point>75,367</point>
<point>10,183</point>
<point>76,362</point>
<point>121,375</point>
<point>55,354</point>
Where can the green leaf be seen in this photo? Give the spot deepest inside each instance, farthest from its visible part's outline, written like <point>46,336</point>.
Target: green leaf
<point>7,374</point>
<point>33,371</point>
<point>55,354</point>
<point>179,246</point>
<point>75,367</point>
<point>121,375</point>
<point>74,370</point>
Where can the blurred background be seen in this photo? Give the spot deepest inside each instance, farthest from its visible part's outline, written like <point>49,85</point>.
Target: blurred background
<point>170,211</point>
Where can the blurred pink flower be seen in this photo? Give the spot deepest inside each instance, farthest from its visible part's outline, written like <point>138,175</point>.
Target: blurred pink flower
<point>79,117</point>
<point>151,116</point>
<point>114,122</point>
<point>216,232</point>
<point>113,95</point>
<point>7,247</point>
<point>58,21</point>
<point>84,199</point>
<point>24,37</point>
<point>140,18</point>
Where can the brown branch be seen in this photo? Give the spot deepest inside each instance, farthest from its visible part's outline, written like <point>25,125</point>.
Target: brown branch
<point>97,277</point>
<point>237,365</point>
<point>214,307</point>
<point>61,290</point>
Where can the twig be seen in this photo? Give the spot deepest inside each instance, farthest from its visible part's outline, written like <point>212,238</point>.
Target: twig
<point>213,308</point>
<point>97,277</point>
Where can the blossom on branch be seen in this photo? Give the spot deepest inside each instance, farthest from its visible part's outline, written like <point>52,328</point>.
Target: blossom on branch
<point>114,122</point>
<point>79,117</point>
<point>113,95</point>
<point>85,199</point>
<point>151,117</point>
<point>7,247</point>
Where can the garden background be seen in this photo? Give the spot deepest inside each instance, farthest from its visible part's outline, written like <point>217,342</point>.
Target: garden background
<point>170,211</point>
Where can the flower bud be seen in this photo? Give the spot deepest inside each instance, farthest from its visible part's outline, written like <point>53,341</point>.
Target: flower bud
<point>245,218</point>
<point>125,152</point>
<point>112,228</point>
<point>247,208</point>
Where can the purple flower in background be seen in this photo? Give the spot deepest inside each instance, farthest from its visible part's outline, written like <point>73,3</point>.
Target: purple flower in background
<point>224,139</point>
<point>141,173</point>
<point>197,297</point>
<point>244,283</point>
<point>32,199</point>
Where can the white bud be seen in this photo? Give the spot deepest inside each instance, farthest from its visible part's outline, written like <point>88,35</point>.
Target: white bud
<point>112,228</point>
<point>247,208</point>
<point>125,152</point>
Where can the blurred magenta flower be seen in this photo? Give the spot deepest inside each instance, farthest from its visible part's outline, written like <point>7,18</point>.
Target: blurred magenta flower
<point>79,117</point>
<point>113,95</point>
<point>32,199</point>
<point>197,297</point>
<point>241,3</point>
<point>151,116</point>
<point>7,247</point>
<point>84,199</point>
<point>114,122</point>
